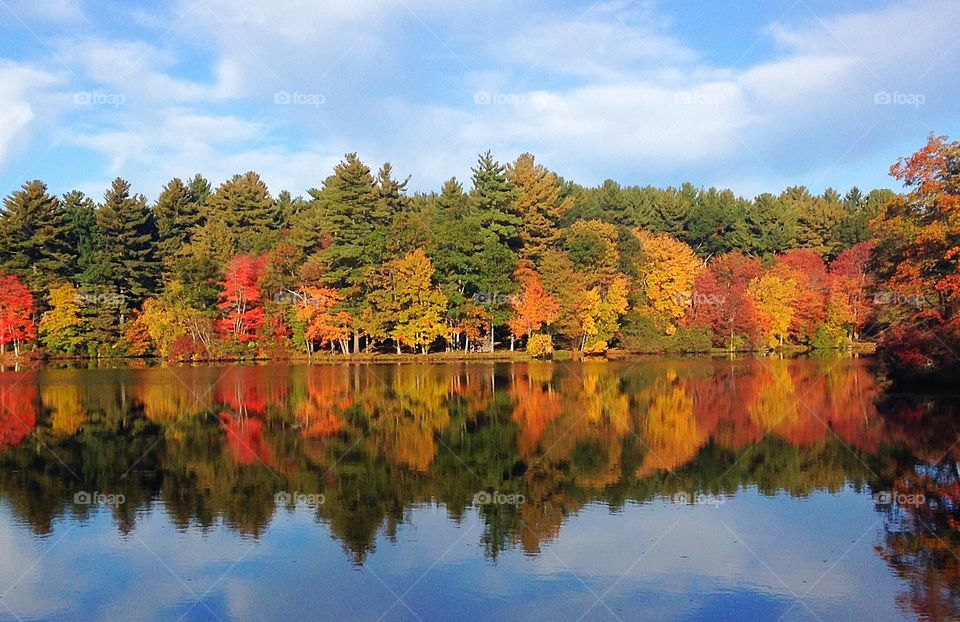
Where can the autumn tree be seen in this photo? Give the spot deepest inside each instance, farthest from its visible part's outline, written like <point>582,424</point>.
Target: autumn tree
<point>240,298</point>
<point>720,301</point>
<point>808,270</point>
<point>774,294</point>
<point>322,324</point>
<point>407,307</point>
<point>16,314</point>
<point>916,258</point>
<point>852,286</point>
<point>533,307</point>
<point>62,327</point>
<point>667,272</point>
<point>599,314</point>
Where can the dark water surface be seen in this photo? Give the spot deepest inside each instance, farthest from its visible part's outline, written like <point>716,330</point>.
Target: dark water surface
<point>650,490</point>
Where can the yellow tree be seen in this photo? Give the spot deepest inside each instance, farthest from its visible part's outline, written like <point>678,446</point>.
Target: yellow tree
<point>533,307</point>
<point>599,314</point>
<point>668,269</point>
<point>407,307</point>
<point>61,328</point>
<point>774,294</point>
<point>540,203</point>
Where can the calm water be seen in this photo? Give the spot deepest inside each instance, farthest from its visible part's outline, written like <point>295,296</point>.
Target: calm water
<point>753,490</point>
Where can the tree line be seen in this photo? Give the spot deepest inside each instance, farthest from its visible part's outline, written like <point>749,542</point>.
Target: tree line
<point>520,259</point>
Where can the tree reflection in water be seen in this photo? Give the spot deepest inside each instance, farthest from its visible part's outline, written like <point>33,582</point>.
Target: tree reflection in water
<point>213,446</point>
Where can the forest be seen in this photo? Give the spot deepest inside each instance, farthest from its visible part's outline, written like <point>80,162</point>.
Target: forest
<point>522,259</point>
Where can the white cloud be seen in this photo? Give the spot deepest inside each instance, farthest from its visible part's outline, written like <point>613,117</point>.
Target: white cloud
<point>594,48</point>
<point>180,143</point>
<point>141,72</point>
<point>64,11</point>
<point>18,87</point>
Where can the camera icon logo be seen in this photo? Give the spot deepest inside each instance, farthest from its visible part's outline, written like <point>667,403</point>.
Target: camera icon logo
<point>83,498</point>
<point>482,498</point>
<point>283,498</point>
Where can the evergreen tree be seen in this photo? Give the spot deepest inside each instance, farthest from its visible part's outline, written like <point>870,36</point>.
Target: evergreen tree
<point>541,203</point>
<point>200,190</point>
<point>347,206</point>
<point>177,214</point>
<point>494,197</point>
<point>248,209</point>
<point>83,235</point>
<point>127,252</point>
<point>670,212</point>
<point>769,227</point>
<point>817,223</point>
<point>34,238</point>
<point>712,221</point>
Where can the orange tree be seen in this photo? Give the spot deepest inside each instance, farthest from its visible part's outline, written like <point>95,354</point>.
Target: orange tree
<point>917,248</point>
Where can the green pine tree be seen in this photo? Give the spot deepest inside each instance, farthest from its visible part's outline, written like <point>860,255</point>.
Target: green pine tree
<point>127,253</point>
<point>177,214</point>
<point>249,211</point>
<point>35,239</point>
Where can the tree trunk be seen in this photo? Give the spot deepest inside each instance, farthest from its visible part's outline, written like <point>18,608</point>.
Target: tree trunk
<point>511,343</point>
<point>492,342</point>
<point>356,342</point>
<point>398,347</point>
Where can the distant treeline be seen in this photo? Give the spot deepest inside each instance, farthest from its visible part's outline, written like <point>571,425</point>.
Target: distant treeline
<point>522,258</point>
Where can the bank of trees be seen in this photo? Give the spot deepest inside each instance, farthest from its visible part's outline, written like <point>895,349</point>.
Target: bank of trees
<point>362,265</point>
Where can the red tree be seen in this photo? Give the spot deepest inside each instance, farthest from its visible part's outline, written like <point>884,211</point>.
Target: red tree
<point>720,302</point>
<point>813,284</point>
<point>850,275</point>
<point>241,298</point>
<point>19,404</point>
<point>16,313</point>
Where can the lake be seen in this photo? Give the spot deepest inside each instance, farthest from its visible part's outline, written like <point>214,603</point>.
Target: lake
<point>689,489</point>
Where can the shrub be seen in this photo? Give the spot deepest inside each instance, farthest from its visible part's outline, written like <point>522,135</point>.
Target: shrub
<point>692,340</point>
<point>540,346</point>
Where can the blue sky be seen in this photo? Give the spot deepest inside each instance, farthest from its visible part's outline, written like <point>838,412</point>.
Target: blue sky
<point>753,95</point>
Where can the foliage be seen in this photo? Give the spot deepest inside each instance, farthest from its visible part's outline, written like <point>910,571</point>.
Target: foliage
<point>16,314</point>
<point>540,346</point>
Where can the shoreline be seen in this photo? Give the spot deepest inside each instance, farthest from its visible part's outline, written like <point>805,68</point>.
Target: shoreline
<point>560,356</point>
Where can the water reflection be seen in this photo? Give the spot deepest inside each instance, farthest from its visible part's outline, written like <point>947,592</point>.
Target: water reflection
<point>215,446</point>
